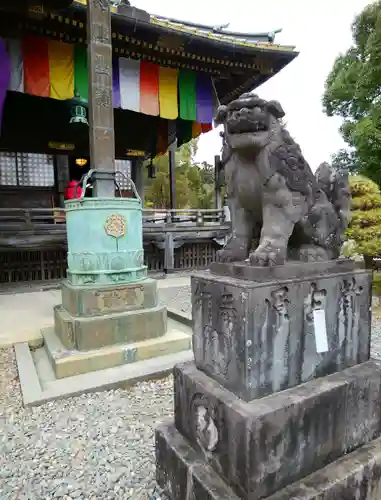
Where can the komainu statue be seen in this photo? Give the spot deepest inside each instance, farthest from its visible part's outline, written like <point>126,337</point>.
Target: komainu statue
<point>279,209</point>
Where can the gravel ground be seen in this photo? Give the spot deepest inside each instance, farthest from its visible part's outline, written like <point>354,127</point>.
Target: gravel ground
<point>96,446</point>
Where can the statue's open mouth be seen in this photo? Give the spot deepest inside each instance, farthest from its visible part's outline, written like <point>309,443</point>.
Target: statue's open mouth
<point>246,127</point>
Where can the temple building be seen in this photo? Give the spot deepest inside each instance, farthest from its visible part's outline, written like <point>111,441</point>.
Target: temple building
<point>168,78</point>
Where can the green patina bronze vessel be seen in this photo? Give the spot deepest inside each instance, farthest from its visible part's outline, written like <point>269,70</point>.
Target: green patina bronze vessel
<point>105,240</point>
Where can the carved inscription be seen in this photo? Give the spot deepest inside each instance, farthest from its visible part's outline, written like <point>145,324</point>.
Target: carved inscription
<point>218,338</point>
<point>275,340</point>
<point>101,67</point>
<point>350,316</point>
<point>101,34</point>
<point>314,301</point>
<point>312,360</point>
<point>116,299</point>
<point>103,97</point>
<point>103,5</point>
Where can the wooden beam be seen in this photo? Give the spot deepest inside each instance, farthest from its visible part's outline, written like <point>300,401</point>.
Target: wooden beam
<point>172,175</point>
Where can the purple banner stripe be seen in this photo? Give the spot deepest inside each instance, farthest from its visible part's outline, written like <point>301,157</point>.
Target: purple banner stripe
<point>204,98</point>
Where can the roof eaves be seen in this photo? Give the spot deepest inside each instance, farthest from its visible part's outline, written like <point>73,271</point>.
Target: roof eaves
<point>220,36</point>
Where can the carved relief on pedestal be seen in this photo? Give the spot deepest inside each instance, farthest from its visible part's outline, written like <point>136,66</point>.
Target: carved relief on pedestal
<point>106,261</point>
<point>350,290</point>
<point>218,337</point>
<point>312,360</point>
<point>349,316</point>
<point>314,301</point>
<point>203,423</point>
<point>275,333</point>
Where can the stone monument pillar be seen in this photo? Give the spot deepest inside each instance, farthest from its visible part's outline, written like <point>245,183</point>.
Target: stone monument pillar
<point>282,400</point>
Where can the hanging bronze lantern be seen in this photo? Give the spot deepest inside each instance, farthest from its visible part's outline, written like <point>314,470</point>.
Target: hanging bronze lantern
<point>78,115</point>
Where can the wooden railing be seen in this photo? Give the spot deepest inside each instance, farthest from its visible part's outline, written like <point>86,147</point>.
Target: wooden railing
<point>39,218</point>
<point>33,241</point>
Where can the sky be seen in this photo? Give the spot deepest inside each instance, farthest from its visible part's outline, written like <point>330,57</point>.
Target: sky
<point>320,31</point>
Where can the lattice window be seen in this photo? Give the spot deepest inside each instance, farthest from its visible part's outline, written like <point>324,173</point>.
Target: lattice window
<point>125,167</point>
<point>35,169</point>
<point>26,169</point>
<point>8,169</point>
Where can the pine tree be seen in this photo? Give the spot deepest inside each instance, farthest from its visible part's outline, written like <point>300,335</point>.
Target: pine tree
<point>365,226</point>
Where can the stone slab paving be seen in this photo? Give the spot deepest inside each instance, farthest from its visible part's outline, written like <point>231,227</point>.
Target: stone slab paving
<point>95,446</point>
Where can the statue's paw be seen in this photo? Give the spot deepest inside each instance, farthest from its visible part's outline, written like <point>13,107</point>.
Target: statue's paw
<point>266,257</point>
<point>231,255</point>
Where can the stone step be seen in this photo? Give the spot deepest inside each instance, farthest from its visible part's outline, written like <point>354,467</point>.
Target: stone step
<point>67,363</point>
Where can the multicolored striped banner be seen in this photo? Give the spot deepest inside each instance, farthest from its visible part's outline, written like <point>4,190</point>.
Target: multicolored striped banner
<point>48,68</point>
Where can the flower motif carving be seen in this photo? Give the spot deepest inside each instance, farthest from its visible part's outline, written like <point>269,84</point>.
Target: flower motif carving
<point>115,225</point>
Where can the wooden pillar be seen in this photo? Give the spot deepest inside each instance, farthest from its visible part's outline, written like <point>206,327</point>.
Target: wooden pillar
<point>101,113</point>
<point>63,175</point>
<point>137,175</point>
<point>217,182</point>
<point>172,176</point>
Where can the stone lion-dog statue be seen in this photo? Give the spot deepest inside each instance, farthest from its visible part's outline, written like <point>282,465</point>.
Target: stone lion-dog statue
<point>279,209</point>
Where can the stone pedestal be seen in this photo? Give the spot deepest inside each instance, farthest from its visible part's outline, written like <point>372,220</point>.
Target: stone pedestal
<point>106,326</point>
<point>261,412</point>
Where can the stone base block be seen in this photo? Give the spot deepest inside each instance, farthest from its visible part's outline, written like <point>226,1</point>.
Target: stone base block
<point>260,335</point>
<point>291,270</point>
<point>262,446</point>
<point>183,473</point>
<point>95,301</point>
<point>67,363</point>
<point>94,332</point>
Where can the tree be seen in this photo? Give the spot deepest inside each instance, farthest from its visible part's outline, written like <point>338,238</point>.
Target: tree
<point>194,183</point>
<point>346,159</point>
<point>353,92</point>
<point>365,226</point>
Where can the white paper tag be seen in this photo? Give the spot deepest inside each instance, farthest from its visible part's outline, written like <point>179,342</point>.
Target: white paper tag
<point>321,337</point>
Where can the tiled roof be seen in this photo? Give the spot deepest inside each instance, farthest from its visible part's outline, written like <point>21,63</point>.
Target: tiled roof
<point>207,32</point>
<point>218,35</point>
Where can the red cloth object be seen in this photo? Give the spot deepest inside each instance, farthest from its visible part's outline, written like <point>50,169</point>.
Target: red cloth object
<point>71,191</point>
